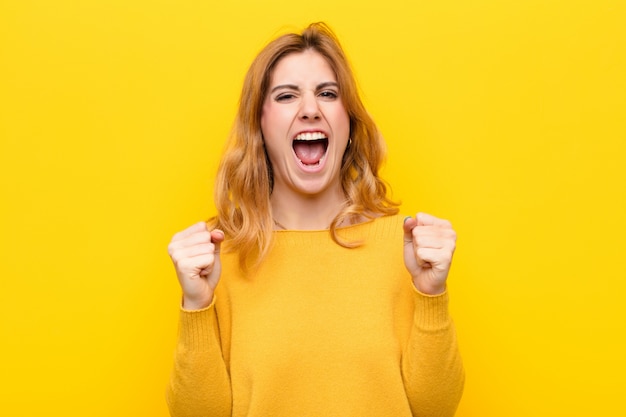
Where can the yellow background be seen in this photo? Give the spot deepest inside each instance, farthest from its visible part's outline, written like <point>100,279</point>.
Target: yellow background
<point>507,117</point>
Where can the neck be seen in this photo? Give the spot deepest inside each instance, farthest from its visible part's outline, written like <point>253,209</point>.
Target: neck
<point>305,212</point>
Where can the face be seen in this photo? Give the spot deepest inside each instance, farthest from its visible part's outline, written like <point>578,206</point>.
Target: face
<point>305,125</point>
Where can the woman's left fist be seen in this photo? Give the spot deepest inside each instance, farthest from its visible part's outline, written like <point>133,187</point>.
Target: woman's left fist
<point>429,244</point>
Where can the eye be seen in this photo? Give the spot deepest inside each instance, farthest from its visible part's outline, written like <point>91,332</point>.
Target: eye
<point>328,94</point>
<point>284,97</point>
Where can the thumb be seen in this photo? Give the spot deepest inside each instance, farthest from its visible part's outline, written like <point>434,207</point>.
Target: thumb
<point>408,226</point>
<point>214,269</point>
<point>217,237</point>
<point>410,254</point>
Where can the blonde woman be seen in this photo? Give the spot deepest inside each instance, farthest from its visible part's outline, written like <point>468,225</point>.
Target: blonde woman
<point>308,294</point>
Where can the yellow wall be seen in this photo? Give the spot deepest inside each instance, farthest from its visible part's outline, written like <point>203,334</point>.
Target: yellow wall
<point>508,117</point>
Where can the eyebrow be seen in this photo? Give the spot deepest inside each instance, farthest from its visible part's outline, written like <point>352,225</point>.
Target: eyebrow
<point>295,87</point>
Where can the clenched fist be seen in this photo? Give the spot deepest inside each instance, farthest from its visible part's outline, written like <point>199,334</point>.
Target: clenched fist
<point>429,244</point>
<point>195,253</point>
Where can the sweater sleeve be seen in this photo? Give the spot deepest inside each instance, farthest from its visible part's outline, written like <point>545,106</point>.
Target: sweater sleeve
<point>199,384</point>
<point>431,365</point>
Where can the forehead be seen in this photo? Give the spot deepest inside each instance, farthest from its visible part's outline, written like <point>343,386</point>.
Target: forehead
<point>302,68</point>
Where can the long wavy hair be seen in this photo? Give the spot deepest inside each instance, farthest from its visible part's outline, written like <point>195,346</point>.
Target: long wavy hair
<point>244,179</point>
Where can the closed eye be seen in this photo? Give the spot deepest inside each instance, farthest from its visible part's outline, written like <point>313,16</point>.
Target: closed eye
<point>284,97</point>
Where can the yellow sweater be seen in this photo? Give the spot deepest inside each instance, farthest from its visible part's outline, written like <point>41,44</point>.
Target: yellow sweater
<point>319,330</point>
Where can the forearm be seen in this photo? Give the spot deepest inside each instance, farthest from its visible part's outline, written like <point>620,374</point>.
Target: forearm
<point>432,367</point>
<point>199,384</point>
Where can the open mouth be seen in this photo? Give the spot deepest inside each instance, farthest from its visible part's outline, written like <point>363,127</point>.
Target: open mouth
<point>310,147</point>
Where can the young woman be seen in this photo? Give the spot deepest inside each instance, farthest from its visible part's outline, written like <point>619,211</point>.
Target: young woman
<point>308,294</point>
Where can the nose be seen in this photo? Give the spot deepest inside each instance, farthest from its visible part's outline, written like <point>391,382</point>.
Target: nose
<point>309,108</point>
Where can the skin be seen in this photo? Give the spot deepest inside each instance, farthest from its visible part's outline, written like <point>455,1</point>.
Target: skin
<point>429,244</point>
<point>304,96</point>
<point>195,254</point>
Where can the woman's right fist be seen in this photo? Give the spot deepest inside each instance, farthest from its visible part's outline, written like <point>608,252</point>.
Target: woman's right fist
<point>195,253</point>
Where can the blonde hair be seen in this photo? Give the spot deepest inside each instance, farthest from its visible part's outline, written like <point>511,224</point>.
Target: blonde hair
<point>244,179</point>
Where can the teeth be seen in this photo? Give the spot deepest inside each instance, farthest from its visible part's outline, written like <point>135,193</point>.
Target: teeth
<point>310,136</point>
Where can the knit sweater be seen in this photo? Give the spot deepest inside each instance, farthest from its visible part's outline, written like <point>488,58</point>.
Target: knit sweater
<point>319,330</point>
